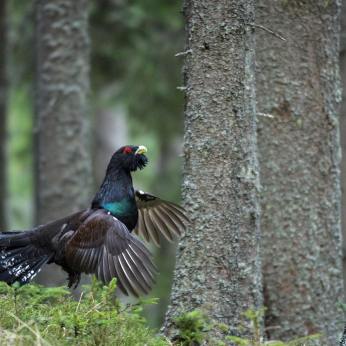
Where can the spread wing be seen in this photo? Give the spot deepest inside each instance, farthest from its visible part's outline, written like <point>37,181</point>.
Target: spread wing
<point>156,214</point>
<point>103,246</point>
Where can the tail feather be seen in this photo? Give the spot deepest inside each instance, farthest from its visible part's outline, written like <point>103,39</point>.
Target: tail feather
<point>29,274</point>
<point>20,261</point>
<point>10,274</point>
<point>14,239</point>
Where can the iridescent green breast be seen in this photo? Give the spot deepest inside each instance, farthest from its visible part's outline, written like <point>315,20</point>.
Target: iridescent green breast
<point>125,211</point>
<point>123,208</point>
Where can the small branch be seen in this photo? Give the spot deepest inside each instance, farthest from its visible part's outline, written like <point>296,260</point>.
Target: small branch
<point>267,30</point>
<point>272,327</point>
<point>170,344</point>
<point>184,53</point>
<point>79,301</point>
<point>95,307</point>
<point>181,88</point>
<point>36,333</point>
<point>265,115</point>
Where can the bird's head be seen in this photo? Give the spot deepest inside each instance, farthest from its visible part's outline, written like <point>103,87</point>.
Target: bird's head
<point>129,157</point>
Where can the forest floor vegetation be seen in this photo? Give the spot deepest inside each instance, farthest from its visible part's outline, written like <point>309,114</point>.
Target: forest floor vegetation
<point>38,316</point>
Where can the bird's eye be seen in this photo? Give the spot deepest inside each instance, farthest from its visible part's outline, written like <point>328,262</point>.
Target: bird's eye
<point>127,150</point>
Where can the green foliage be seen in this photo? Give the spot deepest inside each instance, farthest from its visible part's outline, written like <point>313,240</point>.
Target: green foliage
<point>193,328</point>
<point>35,315</point>
<point>255,317</point>
<point>342,306</point>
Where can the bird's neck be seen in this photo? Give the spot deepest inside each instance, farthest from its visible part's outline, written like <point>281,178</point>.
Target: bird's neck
<point>117,196</point>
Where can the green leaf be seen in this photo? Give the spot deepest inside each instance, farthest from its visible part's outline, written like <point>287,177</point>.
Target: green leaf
<point>239,340</point>
<point>306,338</point>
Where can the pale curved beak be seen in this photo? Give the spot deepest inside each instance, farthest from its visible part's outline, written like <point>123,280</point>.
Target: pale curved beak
<point>141,150</point>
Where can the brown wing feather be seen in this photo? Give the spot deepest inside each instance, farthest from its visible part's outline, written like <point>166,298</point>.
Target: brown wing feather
<point>168,221</point>
<point>160,215</point>
<point>103,246</point>
<point>174,218</point>
<point>160,223</point>
<point>142,226</point>
<point>150,226</point>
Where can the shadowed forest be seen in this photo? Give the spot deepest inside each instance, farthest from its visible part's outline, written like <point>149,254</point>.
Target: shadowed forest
<point>241,108</point>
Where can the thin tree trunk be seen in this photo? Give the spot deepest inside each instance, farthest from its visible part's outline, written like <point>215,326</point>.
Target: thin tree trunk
<point>63,157</point>
<point>63,170</point>
<point>299,152</point>
<point>218,267</point>
<point>3,115</point>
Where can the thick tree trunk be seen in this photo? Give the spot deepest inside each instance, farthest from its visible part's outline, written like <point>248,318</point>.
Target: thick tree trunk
<point>218,267</point>
<point>342,61</point>
<point>299,152</point>
<point>63,157</point>
<point>63,170</point>
<point>3,114</point>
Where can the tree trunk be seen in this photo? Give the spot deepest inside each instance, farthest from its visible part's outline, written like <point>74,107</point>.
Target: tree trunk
<point>63,158</point>
<point>343,338</point>
<point>63,170</point>
<point>218,267</point>
<point>3,115</point>
<point>299,153</point>
<point>342,61</point>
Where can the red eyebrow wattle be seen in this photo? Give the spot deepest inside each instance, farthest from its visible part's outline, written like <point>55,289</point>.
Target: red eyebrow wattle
<point>127,150</point>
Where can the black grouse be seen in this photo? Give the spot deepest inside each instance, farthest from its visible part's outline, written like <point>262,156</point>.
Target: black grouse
<point>99,240</point>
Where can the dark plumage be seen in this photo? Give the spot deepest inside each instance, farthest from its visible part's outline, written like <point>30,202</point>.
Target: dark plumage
<point>99,240</point>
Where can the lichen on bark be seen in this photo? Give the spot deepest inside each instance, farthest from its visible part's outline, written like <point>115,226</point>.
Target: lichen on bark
<point>62,129</point>
<point>342,62</point>
<point>298,83</point>
<point>63,169</point>
<point>218,266</point>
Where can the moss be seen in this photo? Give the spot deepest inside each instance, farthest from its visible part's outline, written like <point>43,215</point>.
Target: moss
<point>35,315</point>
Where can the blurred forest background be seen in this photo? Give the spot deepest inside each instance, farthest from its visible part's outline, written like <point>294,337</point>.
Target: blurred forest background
<point>134,100</point>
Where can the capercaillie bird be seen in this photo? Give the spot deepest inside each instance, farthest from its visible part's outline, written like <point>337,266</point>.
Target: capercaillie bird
<point>98,240</point>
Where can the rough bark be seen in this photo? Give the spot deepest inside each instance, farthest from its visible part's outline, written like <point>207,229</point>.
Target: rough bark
<point>62,136</point>
<point>218,267</point>
<point>342,61</point>
<point>3,114</point>
<point>63,169</point>
<point>343,338</point>
<point>299,154</point>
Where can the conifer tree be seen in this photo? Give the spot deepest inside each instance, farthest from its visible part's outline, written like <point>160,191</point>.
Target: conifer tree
<point>299,153</point>
<point>63,170</point>
<point>218,266</point>
<point>63,157</point>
